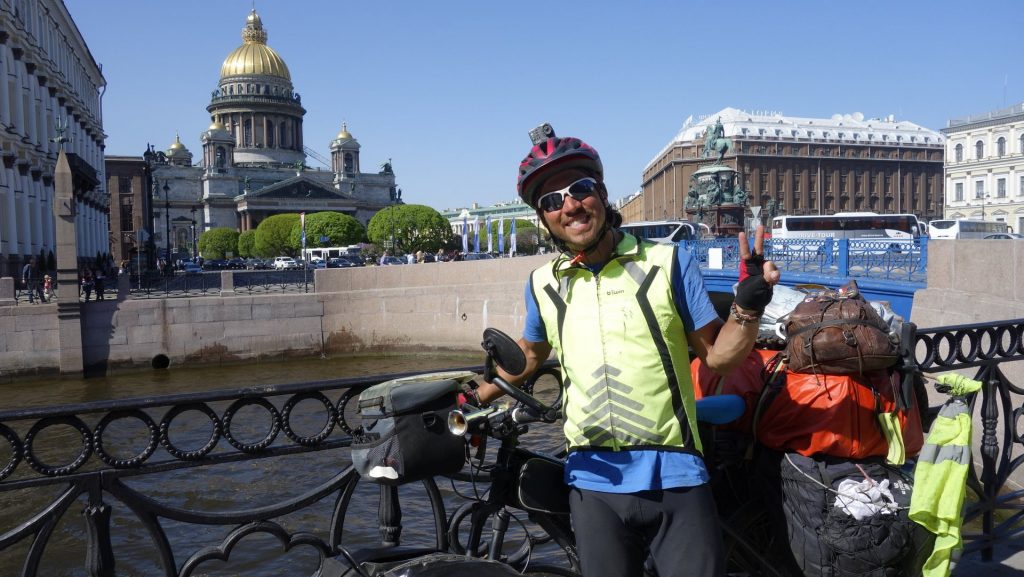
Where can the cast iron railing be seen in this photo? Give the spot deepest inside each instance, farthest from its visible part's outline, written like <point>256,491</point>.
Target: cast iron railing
<point>97,468</point>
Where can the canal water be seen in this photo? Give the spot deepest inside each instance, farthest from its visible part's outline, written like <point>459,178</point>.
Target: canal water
<point>226,487</point>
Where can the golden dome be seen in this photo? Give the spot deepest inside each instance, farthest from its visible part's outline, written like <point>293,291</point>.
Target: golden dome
<point>216,126</point>
<point>254,57</point>
<point>344,134</point>
<point>177,148</point>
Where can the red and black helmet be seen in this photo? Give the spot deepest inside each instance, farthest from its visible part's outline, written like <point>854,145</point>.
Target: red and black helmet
<point>555,152</point>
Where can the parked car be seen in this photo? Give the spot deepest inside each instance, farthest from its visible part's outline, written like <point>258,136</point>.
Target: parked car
<point>1005,236</point>
<point>256,264</point>
<point>391,260</point>
<point>215,264</point>
<point>236,263</point>
<point>344,262</point>
<point>190,268</point>
<point>285,263</point>
<point>478,256</point>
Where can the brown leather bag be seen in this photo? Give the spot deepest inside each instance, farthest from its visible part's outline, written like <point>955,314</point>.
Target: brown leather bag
<point>838,332</point>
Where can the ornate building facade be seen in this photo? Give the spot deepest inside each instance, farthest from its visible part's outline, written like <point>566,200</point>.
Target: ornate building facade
<point>983,154</point>
<point>50,97</point>
<point>804,165</point>
<point>251,162</point>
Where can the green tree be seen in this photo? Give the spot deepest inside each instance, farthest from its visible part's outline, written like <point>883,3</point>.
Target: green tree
<point>274,235</point>
<point>247,244</point>
<point>341,230</point>
<point>217,242</point>
<point>412,226</point>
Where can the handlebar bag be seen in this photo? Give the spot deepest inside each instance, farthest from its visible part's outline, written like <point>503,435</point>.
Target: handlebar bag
<point>404,435</point>
<point>837,332</point>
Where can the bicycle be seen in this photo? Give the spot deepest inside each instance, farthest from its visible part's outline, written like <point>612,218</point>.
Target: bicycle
<point>531,482</point>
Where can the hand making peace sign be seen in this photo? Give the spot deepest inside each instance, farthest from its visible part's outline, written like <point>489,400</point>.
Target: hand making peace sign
<point>757,275</point>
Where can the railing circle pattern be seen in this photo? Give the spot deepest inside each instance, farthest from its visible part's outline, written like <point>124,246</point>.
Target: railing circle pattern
<point>51,470</point>
<point>16,451</point>
<point>165,425</point>
<point>318,438</point>
<point>268,439</point>
<point>146,453</point>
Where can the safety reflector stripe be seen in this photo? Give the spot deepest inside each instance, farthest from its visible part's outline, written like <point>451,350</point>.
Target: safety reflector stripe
<point>935,454</point>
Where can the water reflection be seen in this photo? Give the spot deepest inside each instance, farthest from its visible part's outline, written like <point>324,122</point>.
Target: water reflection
<point>187,379</point>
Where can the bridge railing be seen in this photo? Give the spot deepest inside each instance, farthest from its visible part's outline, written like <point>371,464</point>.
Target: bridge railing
<point>103,453</point>
<point>874,259</point>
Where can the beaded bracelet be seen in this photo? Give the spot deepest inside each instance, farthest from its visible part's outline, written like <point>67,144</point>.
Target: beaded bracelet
<point>743,318</point>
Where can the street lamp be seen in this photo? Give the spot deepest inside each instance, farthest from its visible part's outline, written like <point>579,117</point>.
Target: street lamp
<point>396,198</point>
<point>193,233</point>
<point>167,222</point>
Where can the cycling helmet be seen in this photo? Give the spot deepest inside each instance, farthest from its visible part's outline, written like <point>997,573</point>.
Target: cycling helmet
<point>564,153</point>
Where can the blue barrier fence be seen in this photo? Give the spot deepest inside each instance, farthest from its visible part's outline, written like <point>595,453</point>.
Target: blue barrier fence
<point>885,270</point>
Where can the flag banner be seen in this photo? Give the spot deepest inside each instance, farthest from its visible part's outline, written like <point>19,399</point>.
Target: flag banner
<point>512,239</point>
<point>476,237</point>
<point>302,220</point>
<point>490,243</point>
<point>465,236</point>
<point>501,235</point>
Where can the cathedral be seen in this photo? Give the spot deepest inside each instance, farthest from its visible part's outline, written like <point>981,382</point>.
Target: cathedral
<point>253,159</point>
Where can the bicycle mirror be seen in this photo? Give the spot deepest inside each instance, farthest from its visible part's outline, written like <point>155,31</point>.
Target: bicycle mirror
<point>505,351</point>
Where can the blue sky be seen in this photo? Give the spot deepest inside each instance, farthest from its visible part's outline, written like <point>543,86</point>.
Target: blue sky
<point>449,89</point>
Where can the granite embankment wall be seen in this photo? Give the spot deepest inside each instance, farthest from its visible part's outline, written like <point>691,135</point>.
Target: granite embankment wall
<point>421,307</point>
<point>426,307</point>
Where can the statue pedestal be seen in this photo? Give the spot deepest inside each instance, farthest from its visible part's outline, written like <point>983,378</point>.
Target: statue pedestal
<point>724,220</point>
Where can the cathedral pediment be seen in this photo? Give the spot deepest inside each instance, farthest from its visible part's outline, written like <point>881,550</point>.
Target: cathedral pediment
<point>296,188</point>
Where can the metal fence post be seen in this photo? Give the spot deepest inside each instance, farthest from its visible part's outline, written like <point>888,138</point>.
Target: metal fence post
<point>844,257</point>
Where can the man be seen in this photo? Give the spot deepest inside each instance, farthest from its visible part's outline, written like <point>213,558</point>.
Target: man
<point>620,314</point>
<point>30,278</point>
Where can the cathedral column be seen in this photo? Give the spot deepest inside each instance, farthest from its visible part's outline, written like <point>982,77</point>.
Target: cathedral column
<point>5,95</point>
<point>13,242</point>
<point>18,110</point>
<point>25,214</point>
<point>35,210</point>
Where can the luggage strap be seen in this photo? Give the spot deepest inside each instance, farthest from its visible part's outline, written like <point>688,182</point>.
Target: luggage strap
<point>832,323</point>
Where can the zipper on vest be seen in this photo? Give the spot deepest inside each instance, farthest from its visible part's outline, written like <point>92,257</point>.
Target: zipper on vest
<point>604,365</point>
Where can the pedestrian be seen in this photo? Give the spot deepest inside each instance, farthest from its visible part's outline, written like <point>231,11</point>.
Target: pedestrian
<point>48,286</point>
<point>419,256</point>
<point>87,284</point>
<point>384,258</point>
<point>99,283</point>
<point>31,281</point>
<point>620,313</point>
<point>440,255</point>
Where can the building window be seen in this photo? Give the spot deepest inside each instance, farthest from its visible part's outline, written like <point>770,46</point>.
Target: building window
<point>127,224</point>
<point>1022,143</point>
<point>888,183</point>
<point>1000,188</point>
<point>780,181</point>
<point>979,150</point>
<point>1001,147</point>
<point>959,192</point>
<point>813,178</point>
<point>270,134</point>
<point>763,182</point>
<point>124,184</point>
<point>959,152</point>
<point>828,182</point>
<point>247,133</point>
<point>858,181</point>
<point>842,182</point>
<point>979,189</point>
<point>1020,191</point>
<point>796,182</point>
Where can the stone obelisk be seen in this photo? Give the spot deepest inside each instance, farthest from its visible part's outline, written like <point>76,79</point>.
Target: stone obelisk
<point>69,311</point>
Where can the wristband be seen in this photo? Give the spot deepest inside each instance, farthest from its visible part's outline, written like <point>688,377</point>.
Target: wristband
<point>743,318</point>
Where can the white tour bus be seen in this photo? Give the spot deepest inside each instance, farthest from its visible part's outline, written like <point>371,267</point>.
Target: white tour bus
<point>965,228</point>
<point>326,253</point>
<point>667,230</point>
<point>848,225</point>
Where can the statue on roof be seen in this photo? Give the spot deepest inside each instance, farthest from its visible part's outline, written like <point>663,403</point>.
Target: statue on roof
<point>385,168</point>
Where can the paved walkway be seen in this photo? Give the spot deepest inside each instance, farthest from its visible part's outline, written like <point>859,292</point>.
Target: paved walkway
<point>1007,561</point>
